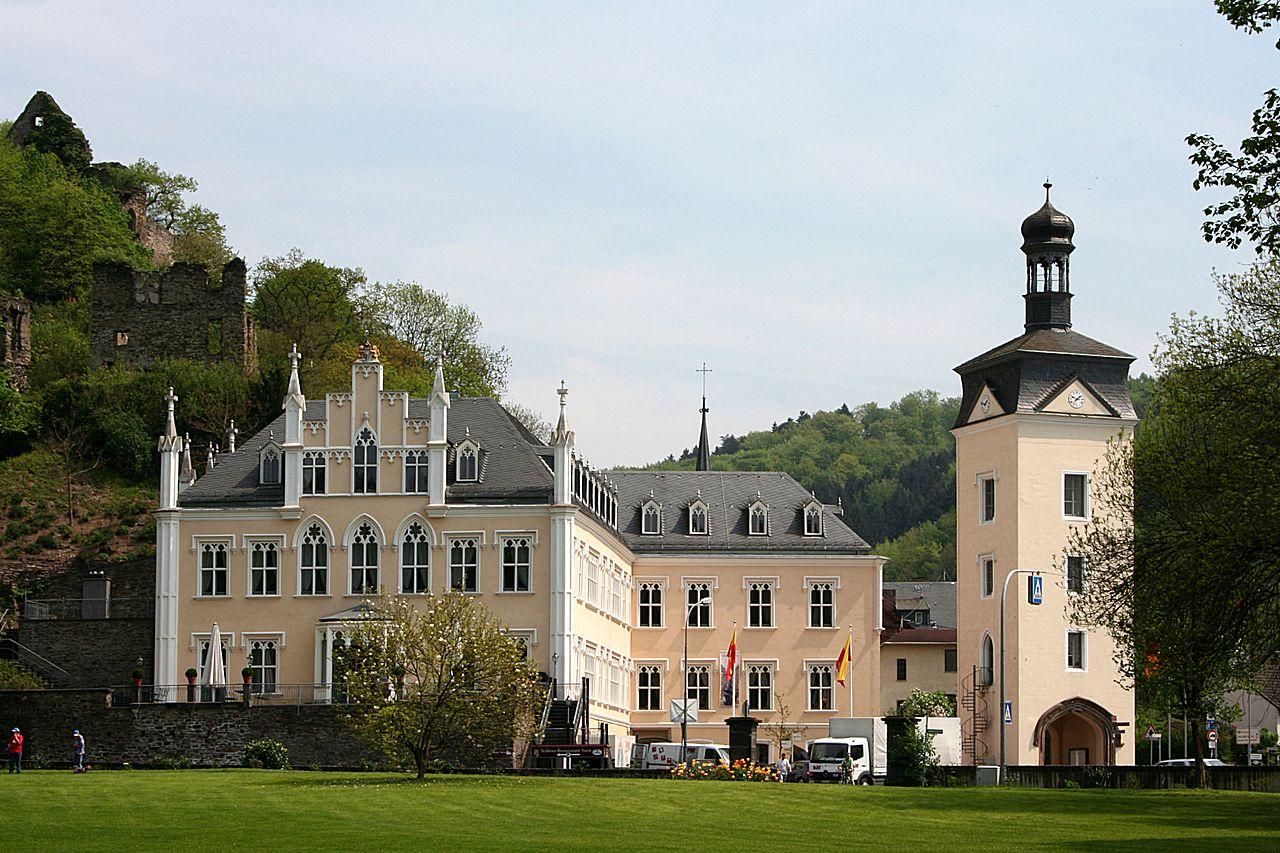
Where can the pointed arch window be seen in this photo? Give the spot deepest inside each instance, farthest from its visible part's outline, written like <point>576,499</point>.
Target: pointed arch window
<point>313,562</point>
<point>698,519</point>
<point>365,463</point>
<point>415,560</point>
<point>651,518</point>
<point>758,519</point>
<point>364,561</point>
<point>986,662</point>
<point>468,463</point>
<point>269,466</point>
<point>813,519</point>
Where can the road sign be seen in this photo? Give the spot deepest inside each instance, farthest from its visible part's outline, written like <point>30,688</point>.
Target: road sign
<point>1213,739</point>
<point>1008,712</point>
<point>1246,736</point>
<point>1035,589</point>
<point>1152,734</point>
<point>684,710</point>
<point>1210,724</point>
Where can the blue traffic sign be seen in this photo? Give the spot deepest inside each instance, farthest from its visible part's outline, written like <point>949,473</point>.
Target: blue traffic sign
<point>1008,712</point>
<point>1035,589</point>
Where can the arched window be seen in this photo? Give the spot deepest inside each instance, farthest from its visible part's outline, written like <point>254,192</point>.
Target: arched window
<point>270,468</point>
<point>759,520</point>
<point>313,562</point>
<point>813,520</point>
<point>698,519</point>
<point>415,560</point>
<point>365,467</point>
<point>987,663</point>
<point>467,468</point>
<point>464,568</point>
<point>264,663</point>
<point>651,519</point>
<point>364,561</point>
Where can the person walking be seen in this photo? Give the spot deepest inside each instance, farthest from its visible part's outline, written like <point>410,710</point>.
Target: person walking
<point>16,741</point>
<point>77,743</point>
<point>783,767</point>
<point>846,770</point>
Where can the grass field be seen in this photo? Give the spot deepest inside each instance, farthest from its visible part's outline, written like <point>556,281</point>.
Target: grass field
<point>261,809</point>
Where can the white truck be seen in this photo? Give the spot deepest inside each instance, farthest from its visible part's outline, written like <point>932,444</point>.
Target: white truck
<point>861,739</point>
<point>663,756</point>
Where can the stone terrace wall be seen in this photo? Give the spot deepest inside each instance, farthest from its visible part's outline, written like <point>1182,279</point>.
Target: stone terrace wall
<point>94,652</point>
<point>207,735</point>
<point>139,317</point>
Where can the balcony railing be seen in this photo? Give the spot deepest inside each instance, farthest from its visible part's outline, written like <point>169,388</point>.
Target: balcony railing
<point>259,694</point>
<point>38,609</point>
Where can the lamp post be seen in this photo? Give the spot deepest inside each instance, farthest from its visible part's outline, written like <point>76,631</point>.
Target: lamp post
<point>1004,592</point>
<point>684,710</point>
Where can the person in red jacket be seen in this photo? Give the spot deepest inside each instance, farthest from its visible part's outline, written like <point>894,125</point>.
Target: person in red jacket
<point>15,750</point>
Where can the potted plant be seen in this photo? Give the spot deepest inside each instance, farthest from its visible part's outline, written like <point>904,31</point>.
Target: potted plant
<point>191,683</point>
<point>138,675</point>
<point>247,675</point>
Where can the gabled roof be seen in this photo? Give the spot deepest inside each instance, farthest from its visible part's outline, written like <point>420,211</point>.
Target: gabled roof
<point>727,495</point>
<point>1055,341</point>
<point>938,597</point>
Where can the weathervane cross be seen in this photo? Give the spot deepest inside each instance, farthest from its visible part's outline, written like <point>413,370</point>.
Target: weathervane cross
<point>704,370</point>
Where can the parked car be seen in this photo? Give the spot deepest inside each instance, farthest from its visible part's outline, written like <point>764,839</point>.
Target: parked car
<point>662,756</point>
<point>1191,762</point>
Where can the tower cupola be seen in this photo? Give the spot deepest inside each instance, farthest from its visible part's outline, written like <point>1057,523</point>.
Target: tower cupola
<point>1046,241</point>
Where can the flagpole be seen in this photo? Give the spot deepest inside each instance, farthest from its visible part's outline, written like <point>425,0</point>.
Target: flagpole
<point>734,675</point>
<point>849,664</point>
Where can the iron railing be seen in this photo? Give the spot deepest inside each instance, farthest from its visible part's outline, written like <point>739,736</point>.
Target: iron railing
<point>258,694</point>
<point>38,609</point>
<point>36,662</point>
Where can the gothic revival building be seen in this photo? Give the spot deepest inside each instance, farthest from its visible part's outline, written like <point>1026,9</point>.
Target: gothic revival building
<point>1035,418</point>
<point>282,541</point>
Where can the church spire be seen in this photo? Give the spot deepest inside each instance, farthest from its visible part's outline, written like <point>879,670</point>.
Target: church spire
<point>704,444</point>
<point>1046,241</point>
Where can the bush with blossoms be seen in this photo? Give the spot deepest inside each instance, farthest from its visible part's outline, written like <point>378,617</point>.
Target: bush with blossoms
<point>741,770</point>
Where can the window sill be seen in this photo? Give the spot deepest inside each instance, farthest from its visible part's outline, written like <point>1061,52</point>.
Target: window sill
<point>313,595</point>
<point>759,627</point>
<point>648,627</point>
<point>464,591</point>
<point>272,595</point>
<point>820,627</point>
<point>820,710</point>
<point>514,592</point>
<point>212,597</point>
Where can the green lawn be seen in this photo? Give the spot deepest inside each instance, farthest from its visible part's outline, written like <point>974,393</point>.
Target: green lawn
<point>260,810</point>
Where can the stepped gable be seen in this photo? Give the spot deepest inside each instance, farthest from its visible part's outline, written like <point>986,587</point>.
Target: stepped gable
<point>727,495</point>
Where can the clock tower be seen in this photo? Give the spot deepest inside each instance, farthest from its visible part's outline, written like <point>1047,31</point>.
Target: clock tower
<point>1035,418</point>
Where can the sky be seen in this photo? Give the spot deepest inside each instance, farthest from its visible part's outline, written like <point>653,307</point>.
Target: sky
<point>819,200</point>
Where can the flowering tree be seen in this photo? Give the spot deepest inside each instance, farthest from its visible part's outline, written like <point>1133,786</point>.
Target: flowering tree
<point>437,678</point>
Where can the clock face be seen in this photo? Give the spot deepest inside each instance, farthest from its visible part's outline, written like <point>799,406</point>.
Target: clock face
<point>986,404</point>
<point>1076,399</point>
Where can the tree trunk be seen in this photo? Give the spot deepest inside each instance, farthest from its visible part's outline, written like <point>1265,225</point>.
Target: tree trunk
<point>1201,776</point>
<point>71,506</point>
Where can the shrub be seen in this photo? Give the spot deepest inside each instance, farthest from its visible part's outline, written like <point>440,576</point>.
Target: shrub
<point>266,754</point>
<point>913,754</point>
<point>47,541</point>
<point>13,677</point>
<point>169,762</point>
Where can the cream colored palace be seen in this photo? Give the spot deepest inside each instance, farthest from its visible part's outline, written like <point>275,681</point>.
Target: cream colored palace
<point>285,538</point>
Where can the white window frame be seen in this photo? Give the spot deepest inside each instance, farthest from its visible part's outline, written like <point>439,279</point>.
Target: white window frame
<point>983,559</point>
<point>470,448</point>
<point>984,642</point>
<point>415,460</point>
<point>200,642</point>
<point>757,506</point>
<point>812,668</point>
<point>477,540</point>
<point>708,585</point>
<point>401,540</point>
<point>982,479</point>
<point>361,447</point>
<point>709,667</point>
<point>269,450</point>
<point>810,584</point>
<point>762,608</point>
<point>528,637</point>
<point>315,462</point>
<point>1084,650</point>
<point>699,506</point>
<point>813,510</point>
<point>1084,497</point>
<point>755,668</point>
<point>276,641</point>
<point>654,672</point>
<point>503,543</point>
<point>651,509</point>
<point>251,544</point>
<point>199,544</point>
<point>299,546</point>
<point>651,587</point>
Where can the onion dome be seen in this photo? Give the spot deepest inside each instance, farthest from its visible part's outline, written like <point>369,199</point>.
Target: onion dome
<point>1048,230</point>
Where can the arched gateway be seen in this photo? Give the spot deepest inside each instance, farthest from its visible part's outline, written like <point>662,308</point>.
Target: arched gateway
<point>1077,731</point>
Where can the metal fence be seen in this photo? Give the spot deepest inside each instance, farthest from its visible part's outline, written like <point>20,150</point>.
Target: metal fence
<point>38,609</point>
<point>258,694</point>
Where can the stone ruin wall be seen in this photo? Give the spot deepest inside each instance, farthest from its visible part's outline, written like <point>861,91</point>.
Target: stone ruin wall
<point>140,317</point>
<point>15,339</point>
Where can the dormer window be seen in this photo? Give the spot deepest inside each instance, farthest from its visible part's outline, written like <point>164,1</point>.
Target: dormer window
<point>813,519</point>
<point>468,462</point>
<point>651,518</point>
<point>758,518</point>
<point>269,465</point>
<point>698,518</point>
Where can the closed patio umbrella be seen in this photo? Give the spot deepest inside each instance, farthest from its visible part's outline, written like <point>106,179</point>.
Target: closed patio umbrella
<point>215,673</point>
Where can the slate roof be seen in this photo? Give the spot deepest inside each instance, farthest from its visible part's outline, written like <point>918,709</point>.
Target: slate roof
<point>938,597</point>
<point>727,495</point>
<point>1026,373</point>
<point>911,634</point>
<point>510,465</point>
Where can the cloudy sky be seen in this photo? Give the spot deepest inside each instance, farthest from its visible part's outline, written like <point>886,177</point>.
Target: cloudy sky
<point>820,200</point>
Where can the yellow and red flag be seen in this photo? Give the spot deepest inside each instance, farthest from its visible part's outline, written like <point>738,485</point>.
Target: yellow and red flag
<point>842,662</point>
<point>732,657</point>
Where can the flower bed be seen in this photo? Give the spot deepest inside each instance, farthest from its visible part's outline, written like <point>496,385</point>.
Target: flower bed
<point>741,770</point>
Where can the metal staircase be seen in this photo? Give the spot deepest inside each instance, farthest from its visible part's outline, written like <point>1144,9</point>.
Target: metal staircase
<point>973,701</point>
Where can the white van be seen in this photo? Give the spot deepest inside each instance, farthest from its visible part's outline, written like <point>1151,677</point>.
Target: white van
<point>827,755</point>
<point>663,756</point>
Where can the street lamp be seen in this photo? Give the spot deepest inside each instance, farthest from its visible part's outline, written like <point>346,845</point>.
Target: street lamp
<point>1004,591</point>
<point>684,715</point>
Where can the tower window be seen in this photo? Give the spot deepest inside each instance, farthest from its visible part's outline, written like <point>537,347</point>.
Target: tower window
<point>988,577</point>
<point>1077,649</point>
<point>1075,573</point>
<point>1075,495</point>
<point>986,662</point>
<point>987,499</point>
<point>902,669</point>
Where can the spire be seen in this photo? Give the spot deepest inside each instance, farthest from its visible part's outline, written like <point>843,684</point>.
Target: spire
<point>187,471</point>
<point>1047,243</point>
<point>704,444</point>
<point>562,434</point>
<point>295,386</point>
<point>169,442</point>
<point>232,432</point>
<point>437,385</point>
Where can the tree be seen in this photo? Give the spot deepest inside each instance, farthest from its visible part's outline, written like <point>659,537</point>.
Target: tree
<point>199,236</point>
<point>437,678</point>
<point>69,433</point>
<point>425,320</point>
<point>925,703</point>
<point>538,426</point>
<point>1180,553</point>
<point>782,728</point>
<point>19,417</point>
